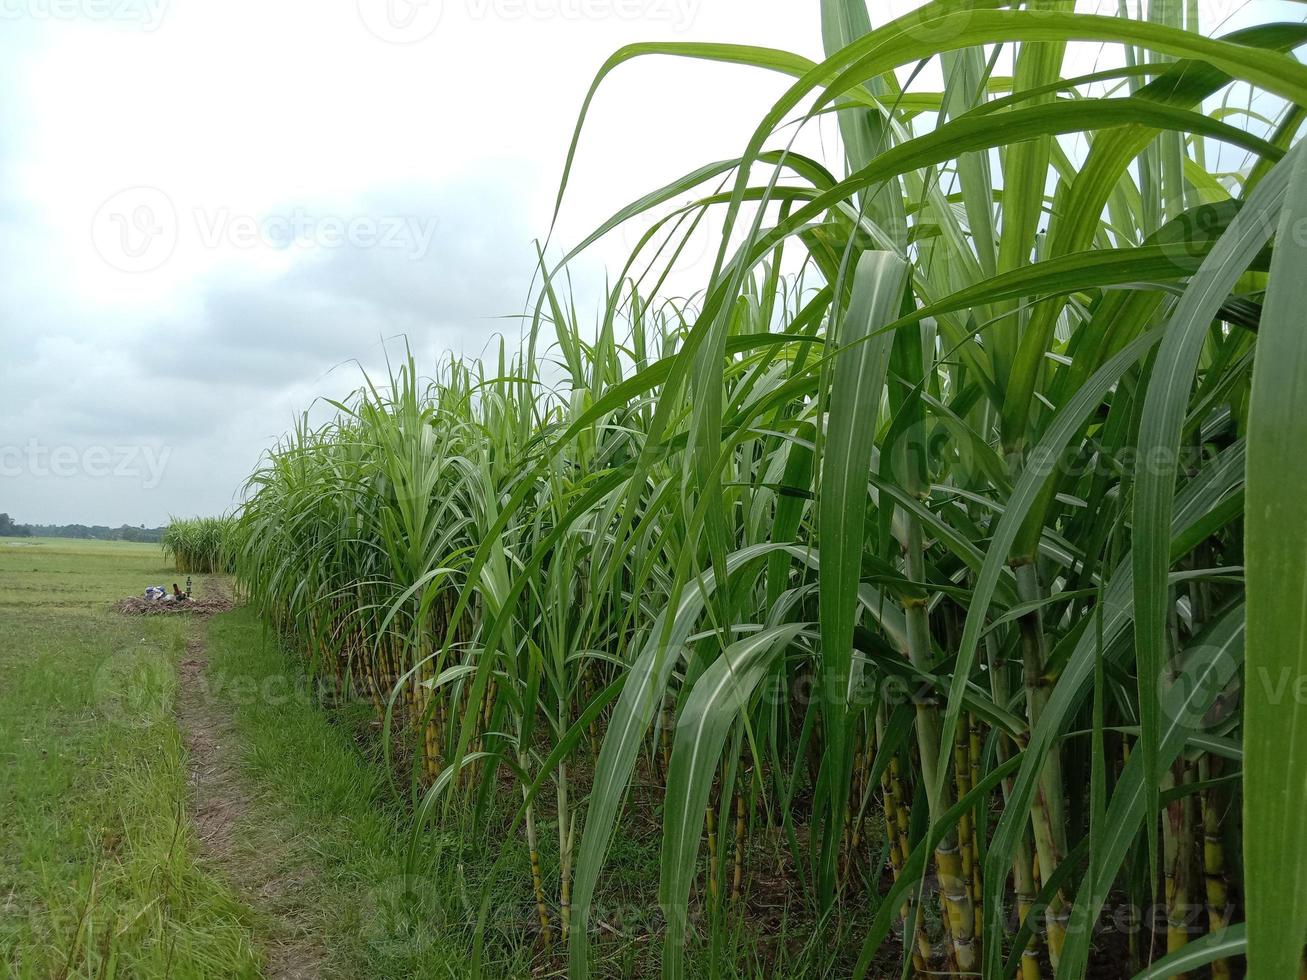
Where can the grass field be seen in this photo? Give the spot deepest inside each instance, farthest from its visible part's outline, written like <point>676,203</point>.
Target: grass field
<point>98,869</point>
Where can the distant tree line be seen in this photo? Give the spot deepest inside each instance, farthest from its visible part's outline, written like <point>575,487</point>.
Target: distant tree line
<point>9,528</point>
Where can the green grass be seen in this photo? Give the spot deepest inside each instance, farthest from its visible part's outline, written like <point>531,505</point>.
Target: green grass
<point>62,575</point>
<point>98,868</point>
<point>326,818</point>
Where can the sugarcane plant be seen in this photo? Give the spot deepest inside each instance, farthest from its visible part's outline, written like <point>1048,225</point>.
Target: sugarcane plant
<point>950,536</point>
<point>200,545</point>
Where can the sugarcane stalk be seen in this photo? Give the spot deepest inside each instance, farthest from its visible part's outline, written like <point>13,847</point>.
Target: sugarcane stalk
<point>1023,869</point>
<point>1214,870</point>
<point>861,776</point>
<point>897,822</point>
<point>977,881</point>
<point>962,780</point>
<point>846,834</point>
<point>1178,853</point>
<point>1048,812</point>
<point>566,829</point>
<point>537,881</point>
<point>1023,881</point>
<point>954,888</point>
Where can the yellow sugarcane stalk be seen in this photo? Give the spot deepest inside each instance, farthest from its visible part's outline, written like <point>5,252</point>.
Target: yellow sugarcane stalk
<point>1214,875</point>
<point>861,775</point>
<point>846,835</point>
<point>1023,864</point>
<point>962,779</point>
<point>737,876</point>
<point>1178,851</point>
<point>537,881</point>
<point>897,821</point>
<point>973,757</point>
<point>1047,815</point>
<point>954,888</point>
<point>1023,882</point>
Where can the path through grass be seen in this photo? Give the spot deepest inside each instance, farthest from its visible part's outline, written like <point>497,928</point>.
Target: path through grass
<point>99,874</point>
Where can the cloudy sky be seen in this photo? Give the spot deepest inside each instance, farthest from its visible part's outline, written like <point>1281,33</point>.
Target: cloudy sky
<point>211,209</point>
<point>213,212</point>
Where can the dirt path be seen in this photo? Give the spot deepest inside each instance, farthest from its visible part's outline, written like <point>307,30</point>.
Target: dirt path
<point>247,852</point>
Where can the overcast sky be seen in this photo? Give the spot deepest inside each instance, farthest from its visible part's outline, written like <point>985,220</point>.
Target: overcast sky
<point>211,209</point>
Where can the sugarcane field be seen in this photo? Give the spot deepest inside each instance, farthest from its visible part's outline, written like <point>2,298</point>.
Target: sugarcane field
<point>653,488</point>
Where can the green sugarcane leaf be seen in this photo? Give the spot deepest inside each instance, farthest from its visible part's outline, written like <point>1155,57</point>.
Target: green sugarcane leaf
<point>856,392</point>
<point>1275,751</point>
<point>641,697</point>
<point>1039,469</point>
<point>1230,941</point>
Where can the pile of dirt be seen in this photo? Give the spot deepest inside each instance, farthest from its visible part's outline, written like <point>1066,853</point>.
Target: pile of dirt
<point>138,606</point>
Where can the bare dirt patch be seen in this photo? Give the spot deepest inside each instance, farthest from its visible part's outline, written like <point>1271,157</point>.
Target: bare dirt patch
<point>215,596</point>
<point>250,855</point>
<point>137,606</point>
